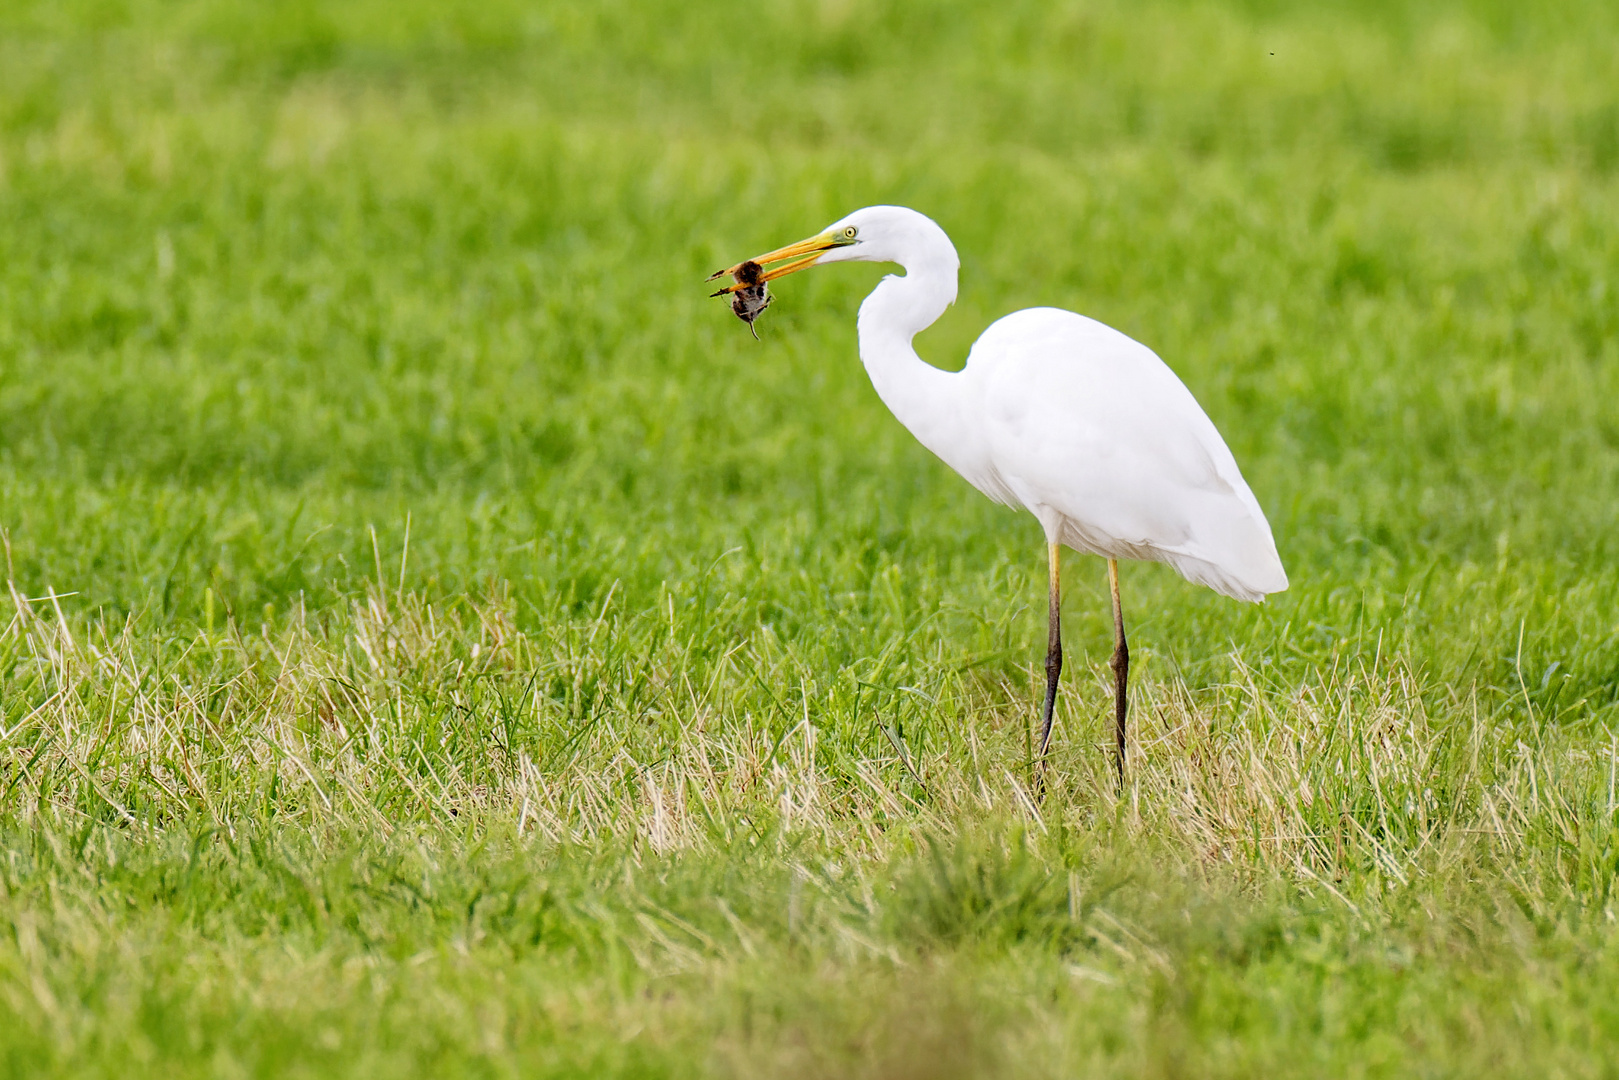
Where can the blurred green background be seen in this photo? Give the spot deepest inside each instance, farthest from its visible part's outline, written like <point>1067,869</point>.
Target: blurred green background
<point>276,272</point>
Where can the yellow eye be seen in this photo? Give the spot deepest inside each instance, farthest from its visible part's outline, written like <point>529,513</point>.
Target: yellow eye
<point>848,233</point>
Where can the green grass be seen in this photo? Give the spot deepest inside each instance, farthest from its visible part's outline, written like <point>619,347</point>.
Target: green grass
<point>442,642</point>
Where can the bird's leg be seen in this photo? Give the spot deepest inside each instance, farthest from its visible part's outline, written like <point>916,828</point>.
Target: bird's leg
<point>1120,663</point>
<point>1053,653</point>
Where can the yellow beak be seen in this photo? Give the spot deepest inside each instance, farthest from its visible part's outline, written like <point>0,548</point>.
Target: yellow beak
<point>792,258</point>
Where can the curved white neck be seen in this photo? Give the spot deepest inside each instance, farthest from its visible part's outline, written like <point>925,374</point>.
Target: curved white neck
<point>920,395</point>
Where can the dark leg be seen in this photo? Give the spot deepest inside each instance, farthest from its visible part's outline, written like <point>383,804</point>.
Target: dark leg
<point>1120,663</point>
<point>1053,652</point>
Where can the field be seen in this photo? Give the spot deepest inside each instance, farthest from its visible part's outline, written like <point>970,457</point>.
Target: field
<point>441,641</point>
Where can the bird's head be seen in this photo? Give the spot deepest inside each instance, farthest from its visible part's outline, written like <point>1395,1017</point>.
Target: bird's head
<point>875,234</point>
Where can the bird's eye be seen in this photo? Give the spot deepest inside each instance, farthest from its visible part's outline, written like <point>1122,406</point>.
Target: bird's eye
<point>849,233</point>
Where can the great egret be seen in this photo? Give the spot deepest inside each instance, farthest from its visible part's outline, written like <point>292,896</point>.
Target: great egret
<point>1083,427</point>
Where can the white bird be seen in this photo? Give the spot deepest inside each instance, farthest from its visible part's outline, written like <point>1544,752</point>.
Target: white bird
<point>1080,425</point>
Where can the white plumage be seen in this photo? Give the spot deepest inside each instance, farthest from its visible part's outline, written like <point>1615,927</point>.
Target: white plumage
<point>1093,434</point>
<point>1085,428</point>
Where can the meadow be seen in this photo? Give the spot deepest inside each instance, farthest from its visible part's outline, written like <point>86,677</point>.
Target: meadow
<point>439,640</point>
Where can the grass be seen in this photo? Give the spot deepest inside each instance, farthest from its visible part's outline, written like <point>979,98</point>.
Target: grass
<point>441,641</point>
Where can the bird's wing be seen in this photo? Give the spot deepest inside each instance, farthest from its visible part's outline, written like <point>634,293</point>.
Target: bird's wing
<point>1100,439</point>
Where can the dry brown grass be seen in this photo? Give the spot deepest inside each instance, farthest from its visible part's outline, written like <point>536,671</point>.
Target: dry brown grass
<point>384,717</point>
